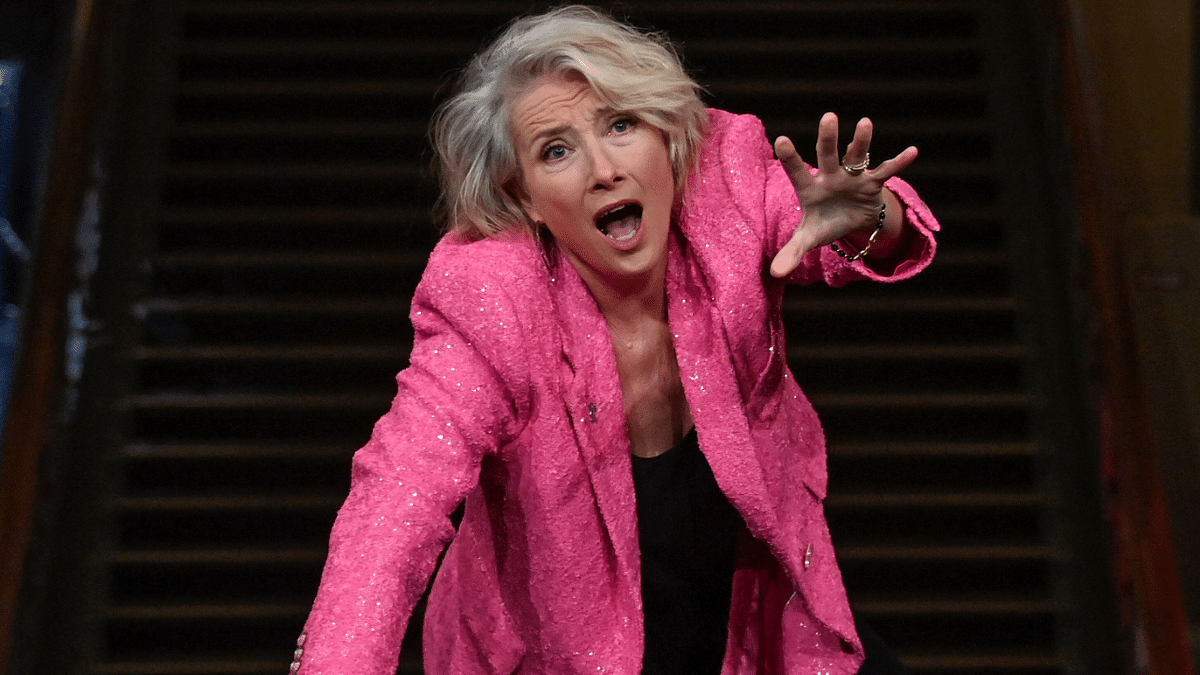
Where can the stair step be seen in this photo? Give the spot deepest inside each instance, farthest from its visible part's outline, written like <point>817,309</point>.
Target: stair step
<point>324,89</point>
<point>257,402</point>
<point>955,606</point>
<point>929,400</point>
<point>317,47</point>
<point>336,353</point>
<point>949,500</point>
<point>964,664</point>
<point>319,129</point>
<point>271,8</point>
<point>409,260</point>
<point>902,352</point>
<point>829,304</point>
<point>220,665</point>
<point>216,556</point>
<point>971,258</point>
<point>275,306</point>
<point>365,49</point>
<point>949,449</point>
<point>236,450</point>
<point>1032,552</point>
<point>210,171</point>
<point>971,213</point>
<point>208,611</point>
<point>250,216</point>
<point>900,86</point>
<point>196,666</point>
<point>833,46</point>
<point>210,502</point>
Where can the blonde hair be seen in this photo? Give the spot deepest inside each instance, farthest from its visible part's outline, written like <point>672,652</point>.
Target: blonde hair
<point>630,70</point>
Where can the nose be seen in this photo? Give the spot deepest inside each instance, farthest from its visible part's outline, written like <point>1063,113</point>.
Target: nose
<point>605,172</point>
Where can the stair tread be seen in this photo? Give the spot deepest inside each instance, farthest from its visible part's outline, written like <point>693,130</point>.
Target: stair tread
<point>257,401</point>
<point>276,305</point>
<point>377,48</point>
<point>324,88</point>
<point>316,353</point>
<point>804,302</point>
<point>187,610</point>
<point>413,260</point>
<point>214,502</point>
<point>910,399</point>
<point>190,665</point>
<point>217,556</point>
<point>244,216</point>
<point>977,499</point>
<point>949,448</point>
<point>279,170</point>
<point>419,8</point>
<point>956,552</point>
<point>908,352</point>
<point>323,129</point>
<point>984,661</point>
<point>957,606</point>
<point>236,450</point>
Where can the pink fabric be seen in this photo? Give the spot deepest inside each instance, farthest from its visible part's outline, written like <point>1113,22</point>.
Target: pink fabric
<point>512,402</point>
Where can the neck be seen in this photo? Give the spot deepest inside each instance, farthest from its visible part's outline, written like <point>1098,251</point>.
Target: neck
<point>629,302</point>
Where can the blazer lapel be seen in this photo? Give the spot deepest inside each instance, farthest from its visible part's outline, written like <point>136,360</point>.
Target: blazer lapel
<point>593,400</point>
<point>711,386</point>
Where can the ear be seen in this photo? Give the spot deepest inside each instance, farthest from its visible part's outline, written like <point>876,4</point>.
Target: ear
<point>517,191</point>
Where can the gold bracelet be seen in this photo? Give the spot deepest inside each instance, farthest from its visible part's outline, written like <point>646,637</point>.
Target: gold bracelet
<point>870,242</point>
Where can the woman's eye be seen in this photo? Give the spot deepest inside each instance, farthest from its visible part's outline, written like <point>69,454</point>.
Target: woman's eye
<point>554,152</point>
<point>622,125</point>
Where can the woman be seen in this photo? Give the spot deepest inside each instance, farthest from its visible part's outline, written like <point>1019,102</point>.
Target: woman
<point>599,372</point>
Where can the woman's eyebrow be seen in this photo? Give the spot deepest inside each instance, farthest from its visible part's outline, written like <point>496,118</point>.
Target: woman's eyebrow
<point>548,132</point>
<point>557,130</point>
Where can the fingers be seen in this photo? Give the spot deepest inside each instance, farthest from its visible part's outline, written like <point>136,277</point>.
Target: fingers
<point>827,151</point>
<point>856,152</point>
<point>797,170</point>
<point>827,144</point>
<point>785,150</point>
<point>896,164</point>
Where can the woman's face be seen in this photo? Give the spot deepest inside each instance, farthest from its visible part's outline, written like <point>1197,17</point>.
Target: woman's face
<point>600,180</point>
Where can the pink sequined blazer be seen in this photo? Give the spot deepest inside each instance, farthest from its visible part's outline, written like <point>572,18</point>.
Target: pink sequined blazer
<point>512,402</point>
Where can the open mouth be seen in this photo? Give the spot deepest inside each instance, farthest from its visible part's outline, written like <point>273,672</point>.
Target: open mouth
<point>620,223</point>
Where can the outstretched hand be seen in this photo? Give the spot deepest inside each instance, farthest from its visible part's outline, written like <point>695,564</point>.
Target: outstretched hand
<point>836,201</point>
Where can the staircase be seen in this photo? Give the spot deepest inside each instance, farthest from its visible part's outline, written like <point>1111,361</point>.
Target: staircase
<point>275,222</point>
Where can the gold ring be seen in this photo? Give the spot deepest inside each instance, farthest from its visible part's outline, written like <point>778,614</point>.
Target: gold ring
<point>860,167</point>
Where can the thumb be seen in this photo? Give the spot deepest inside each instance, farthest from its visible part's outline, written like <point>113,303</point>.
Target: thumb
<point>789,256</point>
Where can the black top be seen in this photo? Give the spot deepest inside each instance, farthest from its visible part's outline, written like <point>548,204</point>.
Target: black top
<point>688,532</point>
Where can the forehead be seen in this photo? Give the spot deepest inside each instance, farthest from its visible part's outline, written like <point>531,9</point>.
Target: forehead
<point>553,101</point>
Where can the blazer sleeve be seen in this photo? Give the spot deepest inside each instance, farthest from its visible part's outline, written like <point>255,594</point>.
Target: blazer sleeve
<point>456,402</point>
<point>752,176</point>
